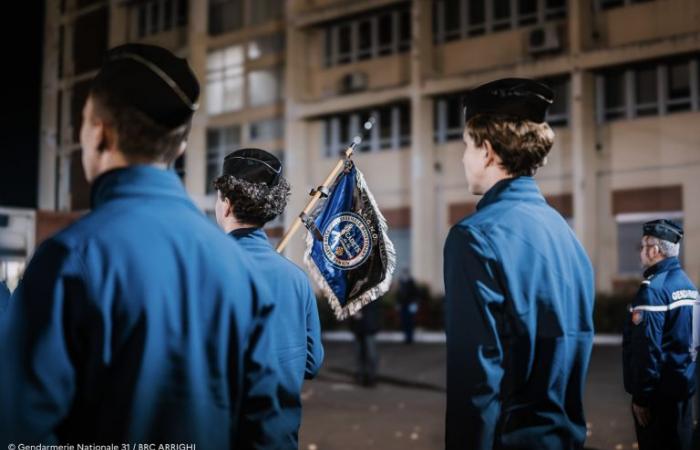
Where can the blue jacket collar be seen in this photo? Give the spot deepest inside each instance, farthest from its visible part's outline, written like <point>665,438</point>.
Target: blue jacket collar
<point>519,188</point>
<point>664,265</point>
<point>138,180</point>
<point>256,235</point>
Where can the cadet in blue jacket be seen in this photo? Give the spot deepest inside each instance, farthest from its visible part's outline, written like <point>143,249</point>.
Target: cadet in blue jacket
<point>660,343</point>
<point>141,322</point>
<point>519,287</point>
<point>4,297</point>
<point>252,192</point>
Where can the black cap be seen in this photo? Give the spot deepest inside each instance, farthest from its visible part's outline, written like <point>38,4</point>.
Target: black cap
<point>253,165</point>
<point>517,97</point>
<point>152,80</point>
<point>664,229</point>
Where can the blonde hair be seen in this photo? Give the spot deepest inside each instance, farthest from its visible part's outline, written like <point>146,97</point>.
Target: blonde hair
<point>522,145</point>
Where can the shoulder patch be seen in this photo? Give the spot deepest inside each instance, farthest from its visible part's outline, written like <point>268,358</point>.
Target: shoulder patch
<point>637,316</point>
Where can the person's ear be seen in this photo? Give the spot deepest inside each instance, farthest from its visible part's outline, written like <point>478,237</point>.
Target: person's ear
<point>228,208</point>
<point>181,150</point>
<point>490,156</point>
<point>107,137</point>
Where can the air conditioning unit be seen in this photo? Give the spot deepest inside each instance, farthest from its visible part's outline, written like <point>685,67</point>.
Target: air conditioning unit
<point>352,82</point>
<point>544,39</point>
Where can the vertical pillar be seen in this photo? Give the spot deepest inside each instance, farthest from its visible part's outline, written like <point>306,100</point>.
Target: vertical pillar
<point>425,250</point>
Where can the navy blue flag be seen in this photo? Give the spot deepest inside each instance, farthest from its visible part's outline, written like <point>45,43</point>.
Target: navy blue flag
<point>348,251</point>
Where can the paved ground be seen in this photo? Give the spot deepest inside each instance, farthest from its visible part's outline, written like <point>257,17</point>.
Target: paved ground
<point>405,410</point>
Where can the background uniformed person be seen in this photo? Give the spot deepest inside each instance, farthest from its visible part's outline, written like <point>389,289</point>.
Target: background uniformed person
<point>141,322</point>
<point>251,192</point>
<point>519,287</point>
<point>660,343</point>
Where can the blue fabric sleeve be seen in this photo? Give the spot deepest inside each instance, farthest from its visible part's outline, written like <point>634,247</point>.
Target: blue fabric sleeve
<point>314,346</point>
<point>260,411</point>
<point>474,354</point>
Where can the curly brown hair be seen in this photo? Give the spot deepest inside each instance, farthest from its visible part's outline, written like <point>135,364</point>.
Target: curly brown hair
<point>522,145</point>
<point>254,203</point>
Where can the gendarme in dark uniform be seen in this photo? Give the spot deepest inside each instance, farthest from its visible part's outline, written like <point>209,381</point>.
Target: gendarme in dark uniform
<point>660,343</point>
<point>519,289</point>
<point>251,192</point>
<point>141,322</point>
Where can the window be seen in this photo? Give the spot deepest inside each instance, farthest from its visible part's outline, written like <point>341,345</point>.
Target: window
<point>629,234</point>
<point>157,16</point>
<point>220,142</point>
<point>650,88</point>
<point>266,130</point>
<point>264,87</point>
<point>459,19</point>
<point>646,91</point>
<point>225,80</point>
<point>381,33</point>
<point>558,113</point>
<point>679,86</point>
<point>392,129</point>
<point>614,95</point>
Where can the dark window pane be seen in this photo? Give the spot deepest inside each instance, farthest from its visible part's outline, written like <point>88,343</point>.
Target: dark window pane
<point>181,13</point>
<point>78,96</point>
<point>142,17</point>
<point>477,12</point>
<point>646,91</point>
<point>615,90</point>
<point>451,18</point>
<point>555,9</point>
<point>344,43</point>
<point>454,112</point>
<point>501,15</point>
<point>404,124</point>
<point>90,40</point>
<point>679,80</point>
<point>386,34</point>
<point>527,12</point>
<point>365,39</point>
<point>155,17</point>
<point>168,14</point>
<point>405,33</point>
<point>607,4</point>
<point>225,15</point>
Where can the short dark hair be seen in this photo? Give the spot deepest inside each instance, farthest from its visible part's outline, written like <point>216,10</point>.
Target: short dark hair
<point>254,203</point>
<point>139,137</point>
<point>522,145</point>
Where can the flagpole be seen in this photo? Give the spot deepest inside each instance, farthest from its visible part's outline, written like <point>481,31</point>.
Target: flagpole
<point>318,192</point>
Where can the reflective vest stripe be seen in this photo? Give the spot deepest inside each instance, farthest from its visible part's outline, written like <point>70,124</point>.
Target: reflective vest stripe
<point>664,308</point>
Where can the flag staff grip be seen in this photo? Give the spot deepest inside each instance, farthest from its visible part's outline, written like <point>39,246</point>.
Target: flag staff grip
<point>318,192</point>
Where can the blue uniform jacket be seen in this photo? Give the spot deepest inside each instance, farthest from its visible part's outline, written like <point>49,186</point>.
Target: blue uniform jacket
<point>295,327</point>
<point>139,323</point>
<point>519,301</point>
<point>660,339</point>
<point>4,297</point>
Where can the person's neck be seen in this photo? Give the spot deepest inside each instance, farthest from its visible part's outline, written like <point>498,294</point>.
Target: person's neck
<point>233,225</point>
<point>494,177</point>
<point>111,160</point>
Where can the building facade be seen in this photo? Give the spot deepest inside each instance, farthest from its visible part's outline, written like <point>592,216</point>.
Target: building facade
<point>299,77</point>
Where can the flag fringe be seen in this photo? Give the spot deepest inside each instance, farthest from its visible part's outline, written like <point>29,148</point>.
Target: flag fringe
<point>343,312</point>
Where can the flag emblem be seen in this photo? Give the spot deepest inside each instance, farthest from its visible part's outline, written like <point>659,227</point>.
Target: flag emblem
<point>346,241</point>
